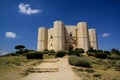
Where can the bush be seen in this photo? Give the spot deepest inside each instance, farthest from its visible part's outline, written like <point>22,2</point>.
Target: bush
<point>91,54</point>
<point>90,70</point>
<point>107,52</point>
<point>115,51</point>
<point>74,52</point>
<point>46,51</point>
<point>91,50</point>
<point>37,55</point>
<point>60,54</point>
<point>51,52</point>
<point>80,50</point>
<point>79,61</point>
<point>100,55</point>
<point>77,52</point>
<point>97,75</point>
<point>71,52</point>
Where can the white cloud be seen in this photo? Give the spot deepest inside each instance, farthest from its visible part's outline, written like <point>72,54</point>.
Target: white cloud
<point>10,35</point>
<point>26,9</point>
<point>105,35</point>
<point>3,52</point>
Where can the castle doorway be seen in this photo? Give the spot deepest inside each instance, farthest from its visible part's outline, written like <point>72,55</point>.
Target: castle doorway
<point>70,47</point>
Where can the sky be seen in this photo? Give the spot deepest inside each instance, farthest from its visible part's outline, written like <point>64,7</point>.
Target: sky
<point>20,20</point>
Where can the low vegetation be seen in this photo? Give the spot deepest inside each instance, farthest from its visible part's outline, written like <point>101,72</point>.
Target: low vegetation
<point>14,67</point>
<point>35,55</point>
<point>96,65</point>
<point>60,54</point>
<point>102,69</point>
<point>77,52</point>
<point>79,61</point>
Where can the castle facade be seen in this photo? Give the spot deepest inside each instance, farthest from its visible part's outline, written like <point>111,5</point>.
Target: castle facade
<point>61,36</point>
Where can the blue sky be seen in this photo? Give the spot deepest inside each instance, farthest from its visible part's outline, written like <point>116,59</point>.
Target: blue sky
<point>20,20</point>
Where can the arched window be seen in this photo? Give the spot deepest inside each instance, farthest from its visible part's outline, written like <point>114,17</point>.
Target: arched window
<point>51,36</point>
<point>70,34</point>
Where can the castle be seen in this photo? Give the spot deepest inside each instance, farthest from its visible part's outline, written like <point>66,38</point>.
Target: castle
<point>61,36</point>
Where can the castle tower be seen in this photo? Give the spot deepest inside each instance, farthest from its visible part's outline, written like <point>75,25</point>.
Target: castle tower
<point>42,38</point>
<point>93,38</point>
<point>59,36</point>
<point>82,36</point>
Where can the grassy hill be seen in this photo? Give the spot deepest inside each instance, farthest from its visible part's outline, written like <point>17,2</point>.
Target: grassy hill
<point>14,67</point>
<point>102,69</point>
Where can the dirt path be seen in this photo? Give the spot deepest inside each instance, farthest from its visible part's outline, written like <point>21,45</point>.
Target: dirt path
<point>65,72</point>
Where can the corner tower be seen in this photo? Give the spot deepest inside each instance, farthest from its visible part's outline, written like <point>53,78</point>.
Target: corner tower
<point>82,36</point>
<point>93,38</point>
<point>59,36</point>
<point>42,38</point>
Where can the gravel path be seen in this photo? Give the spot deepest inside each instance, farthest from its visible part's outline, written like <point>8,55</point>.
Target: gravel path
<point>65,72</point>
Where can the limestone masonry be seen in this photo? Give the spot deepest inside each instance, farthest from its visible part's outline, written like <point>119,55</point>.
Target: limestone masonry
<point>61,36</point>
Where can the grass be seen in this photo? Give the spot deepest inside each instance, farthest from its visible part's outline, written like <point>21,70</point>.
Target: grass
<point>102,69</point>
<point>14,67</point>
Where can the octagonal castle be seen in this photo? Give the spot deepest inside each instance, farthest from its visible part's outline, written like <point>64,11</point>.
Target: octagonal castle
<point>61,36</point>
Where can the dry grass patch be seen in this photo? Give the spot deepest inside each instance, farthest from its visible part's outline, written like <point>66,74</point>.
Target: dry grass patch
<point>102,69</point>
<point>14,67</point>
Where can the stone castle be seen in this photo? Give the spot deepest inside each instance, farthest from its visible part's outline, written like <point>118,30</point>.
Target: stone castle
<point>61,36</point>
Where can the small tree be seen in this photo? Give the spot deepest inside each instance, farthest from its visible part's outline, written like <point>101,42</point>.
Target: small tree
<point>115,51</point>
<point>20,48</point>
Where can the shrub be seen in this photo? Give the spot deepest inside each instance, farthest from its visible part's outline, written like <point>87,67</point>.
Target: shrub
<point>100,55</point>
<point>115,51</point>
<point>97,75</point>
<point>107,52</point>
<point>91,54</point>
<point>91,50</point>
<point>90,70</point>
<point>60,54</point>
<point>71,52</point>
<point>79,61</point>
<point>46,51</point>
<point>78,51</point>
<point>51,52</point>
<point>37,55</point>
<point>99,51</point>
